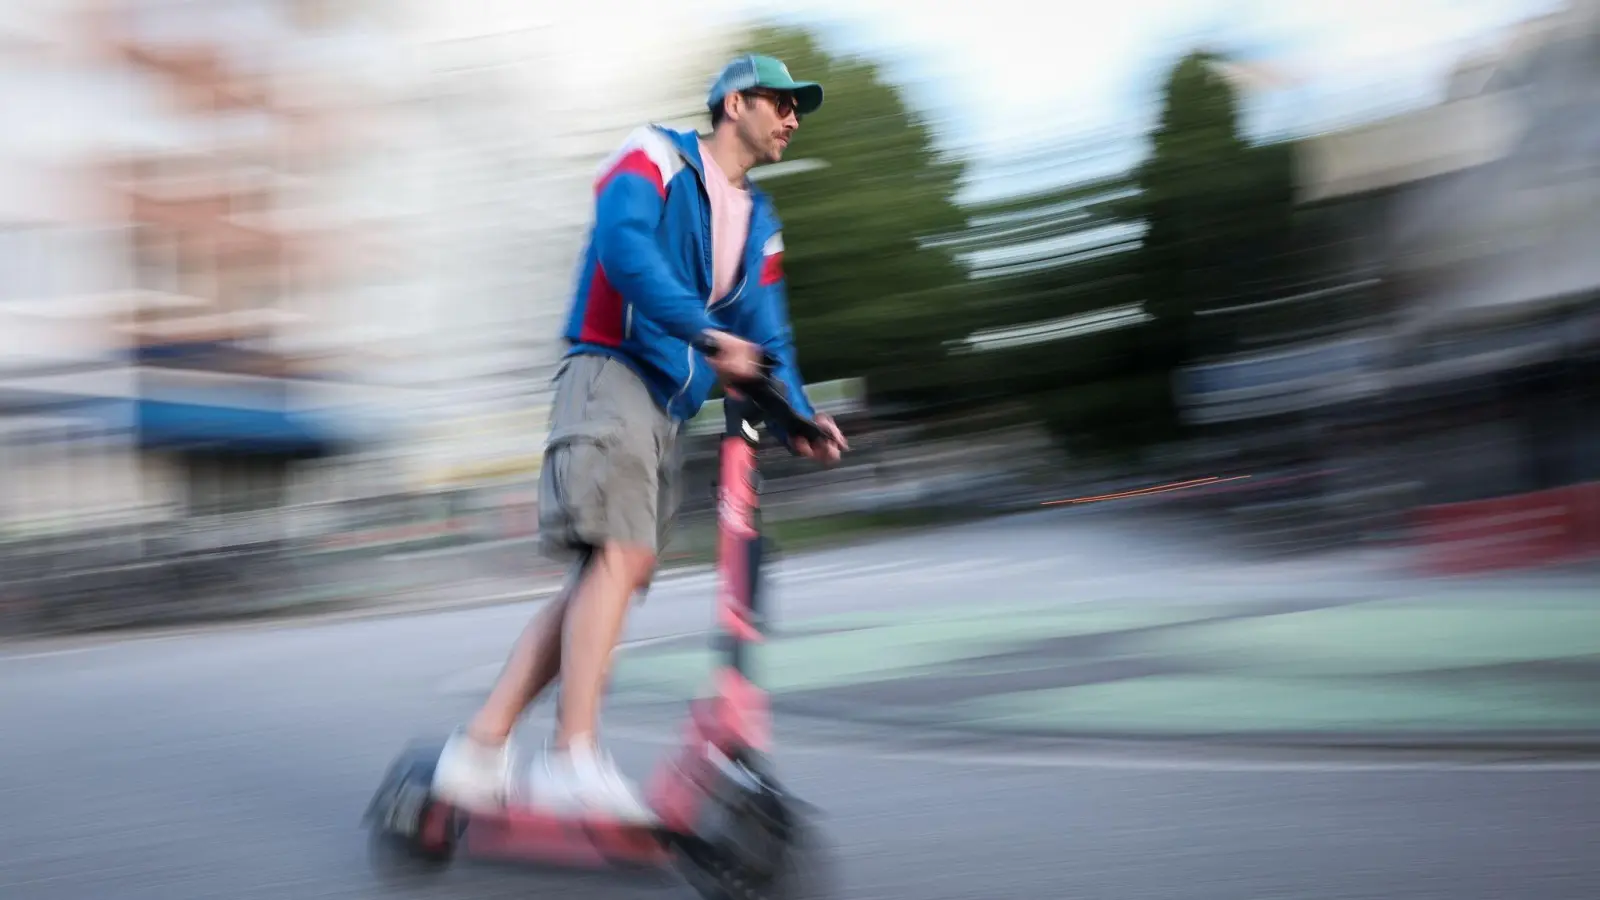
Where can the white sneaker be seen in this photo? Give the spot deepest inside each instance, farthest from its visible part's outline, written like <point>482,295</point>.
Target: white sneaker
<point>473,776</point>
<point>584,779</point>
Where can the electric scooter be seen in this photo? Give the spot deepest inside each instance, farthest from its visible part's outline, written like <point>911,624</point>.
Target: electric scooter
<point>724,822</point>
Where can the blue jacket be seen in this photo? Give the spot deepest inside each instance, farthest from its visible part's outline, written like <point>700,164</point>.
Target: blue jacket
<point>644,285</point>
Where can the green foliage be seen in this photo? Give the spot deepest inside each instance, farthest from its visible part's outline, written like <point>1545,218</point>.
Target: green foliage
<point>1201,222</point>
<point>877,289</point>
<point>867,298</point>
<point>1219,210</point>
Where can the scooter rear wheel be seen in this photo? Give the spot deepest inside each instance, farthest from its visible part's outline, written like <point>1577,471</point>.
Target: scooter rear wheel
<point>409,834</point>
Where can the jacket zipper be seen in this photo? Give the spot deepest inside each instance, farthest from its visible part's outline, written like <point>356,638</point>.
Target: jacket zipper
<point>627,325</point>
<point>732,296</point>
<point>705,234</point>
<point>688,353</point>
<point>738,290</point>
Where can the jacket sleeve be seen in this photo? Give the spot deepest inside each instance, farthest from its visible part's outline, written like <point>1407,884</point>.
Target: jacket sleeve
<point>763,318</point>
<point>628,210</point>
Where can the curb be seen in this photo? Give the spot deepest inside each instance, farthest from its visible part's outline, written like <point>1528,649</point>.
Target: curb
<point>310,612</point>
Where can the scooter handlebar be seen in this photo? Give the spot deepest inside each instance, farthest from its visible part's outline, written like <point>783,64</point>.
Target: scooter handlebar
<point>770,397</point>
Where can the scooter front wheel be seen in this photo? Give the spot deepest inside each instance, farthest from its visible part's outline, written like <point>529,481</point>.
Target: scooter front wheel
<point>755,842</point>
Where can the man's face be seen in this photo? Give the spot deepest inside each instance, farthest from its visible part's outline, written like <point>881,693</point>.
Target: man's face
<point>766,121</point>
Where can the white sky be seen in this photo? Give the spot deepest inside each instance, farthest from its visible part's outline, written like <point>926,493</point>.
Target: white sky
<point>1002,74</point>
<point>1011,71</point>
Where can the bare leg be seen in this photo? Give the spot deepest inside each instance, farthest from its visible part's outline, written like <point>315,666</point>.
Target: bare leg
<point>605,686</point>
<point>594,624</point>
<point>534,664</point>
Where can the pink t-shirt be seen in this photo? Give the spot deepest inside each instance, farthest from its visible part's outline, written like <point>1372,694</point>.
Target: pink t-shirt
<point>730,226</point>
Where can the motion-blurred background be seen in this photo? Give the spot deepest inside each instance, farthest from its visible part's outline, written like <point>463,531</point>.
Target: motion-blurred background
<point>280,280</point>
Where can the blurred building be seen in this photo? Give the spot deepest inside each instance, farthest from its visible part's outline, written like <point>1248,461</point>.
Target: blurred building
<point>1447,333</point>
<point>522,113</point>
<point>210,206</point>
<point>262,252</point>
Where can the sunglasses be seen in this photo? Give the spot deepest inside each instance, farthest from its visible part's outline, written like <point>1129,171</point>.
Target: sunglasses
<point>783,103</point>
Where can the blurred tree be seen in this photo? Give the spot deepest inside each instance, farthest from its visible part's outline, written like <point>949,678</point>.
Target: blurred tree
<point>1219,212</point>
<point>870,292</point>
<point>1041,260</point>
<point>878,253</point>
<point>1050,265</point>
<point>1200,224</point>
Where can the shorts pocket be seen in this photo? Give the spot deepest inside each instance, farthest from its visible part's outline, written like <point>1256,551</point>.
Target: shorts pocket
<point>572,489</point>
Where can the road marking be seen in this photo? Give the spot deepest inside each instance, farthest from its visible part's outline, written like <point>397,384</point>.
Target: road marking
<point>70,651</point>
<point>818,570</point>
<point>951,571</point>
<point>885,567</point>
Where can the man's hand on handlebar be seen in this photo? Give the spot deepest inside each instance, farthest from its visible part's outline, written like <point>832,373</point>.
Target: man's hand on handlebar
<point>734,359</point>
<point>826,451</point>
<point>737,360</point>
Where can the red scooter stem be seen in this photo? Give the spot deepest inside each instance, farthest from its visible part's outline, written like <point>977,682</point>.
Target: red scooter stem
<point>739,622</point>
<point>739,711</point>
<point>738,536</point>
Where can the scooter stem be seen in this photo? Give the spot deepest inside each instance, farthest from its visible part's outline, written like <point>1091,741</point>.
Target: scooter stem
<point>739,535</point>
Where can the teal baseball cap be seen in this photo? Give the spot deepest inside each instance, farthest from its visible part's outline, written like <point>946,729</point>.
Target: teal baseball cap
<point>755,71</point>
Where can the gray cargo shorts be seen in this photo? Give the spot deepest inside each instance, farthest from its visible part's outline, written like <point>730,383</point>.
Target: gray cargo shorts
<point>612,463</point>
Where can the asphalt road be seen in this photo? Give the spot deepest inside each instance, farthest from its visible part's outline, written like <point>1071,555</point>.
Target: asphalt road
<point>236,762</point>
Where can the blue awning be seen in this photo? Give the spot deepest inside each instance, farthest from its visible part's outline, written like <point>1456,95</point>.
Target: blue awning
<point>190,426</point>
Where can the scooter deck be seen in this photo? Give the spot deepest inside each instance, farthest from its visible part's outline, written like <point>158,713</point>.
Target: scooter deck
<point>525,833</point>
